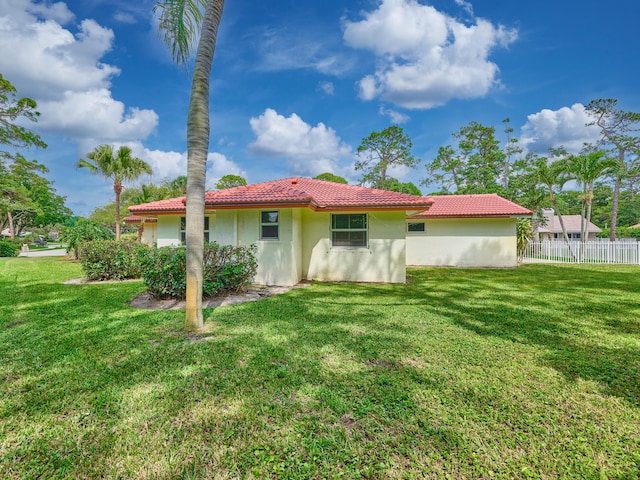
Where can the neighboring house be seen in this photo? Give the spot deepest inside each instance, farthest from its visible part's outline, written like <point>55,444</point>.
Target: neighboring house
<point>552,230</point>
<point>302,228</point>
<point>465,231</point>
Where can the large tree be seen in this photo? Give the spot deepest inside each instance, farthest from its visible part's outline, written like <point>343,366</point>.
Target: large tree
<point>13,109</point>
<point>230,181</point>
<point>330,177</point>
<point>619,129</point>
<point>381,151</point>
<point>119,166</point>
<point>182,24</point>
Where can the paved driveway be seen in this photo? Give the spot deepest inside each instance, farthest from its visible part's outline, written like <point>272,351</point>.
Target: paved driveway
<point>50,252</point>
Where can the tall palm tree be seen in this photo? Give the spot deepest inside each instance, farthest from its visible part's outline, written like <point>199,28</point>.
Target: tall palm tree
<point>586,169</point>
<point>119,167</point>
<point>182,23</point>
<point>553,175</point>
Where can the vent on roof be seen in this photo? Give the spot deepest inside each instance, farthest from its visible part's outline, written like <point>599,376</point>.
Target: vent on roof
<point>294,182</point>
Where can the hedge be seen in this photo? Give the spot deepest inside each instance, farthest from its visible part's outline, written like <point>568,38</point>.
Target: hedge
<point>111,259</point>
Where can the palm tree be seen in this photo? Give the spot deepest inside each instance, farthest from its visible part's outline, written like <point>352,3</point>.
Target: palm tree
<point>553,175</point>
<point>181,23</point>
<point>120,167</point>
<point>586,169</point>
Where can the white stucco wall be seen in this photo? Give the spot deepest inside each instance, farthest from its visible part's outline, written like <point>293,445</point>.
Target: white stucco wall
<point>468,242</point>
<point>382,261</point>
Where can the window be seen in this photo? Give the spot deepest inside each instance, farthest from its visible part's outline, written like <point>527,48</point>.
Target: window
<point>183,230</point>
<point>349,230</point>
<point>415,227</point>
<point>269,226</point>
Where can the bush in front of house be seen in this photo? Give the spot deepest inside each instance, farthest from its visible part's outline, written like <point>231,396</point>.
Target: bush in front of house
<point>111,259</point>
<point>8,248</point>
<point>226,268</point>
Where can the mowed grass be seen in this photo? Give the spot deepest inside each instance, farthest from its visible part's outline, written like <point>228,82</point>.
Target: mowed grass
<point>461,373</point>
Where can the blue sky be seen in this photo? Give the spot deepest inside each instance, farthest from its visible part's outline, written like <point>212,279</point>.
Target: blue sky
<point>297,85</point>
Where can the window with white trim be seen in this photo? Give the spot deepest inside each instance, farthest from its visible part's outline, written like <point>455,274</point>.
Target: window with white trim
<point>183,230</point>
<point>269,225</point>
<point>415,227</point>
<point>349,230</point>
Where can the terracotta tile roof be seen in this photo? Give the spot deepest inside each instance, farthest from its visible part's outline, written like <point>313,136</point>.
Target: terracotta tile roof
<point>468,206</point>
<point>171,205</point>
<point>314,194</point>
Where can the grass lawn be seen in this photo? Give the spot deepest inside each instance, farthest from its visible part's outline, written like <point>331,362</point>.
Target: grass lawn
<point>463,374</point>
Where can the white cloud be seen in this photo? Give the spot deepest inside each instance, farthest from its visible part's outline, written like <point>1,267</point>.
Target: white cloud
<point>309,150</point>
<point>62,71</point>
<point>466,6</point>
<point>327,87</point>
<point>426,57</point>
<point>124,17</point>
<point>554,128</point>
<point>395,117</point>
<point>169,165</point>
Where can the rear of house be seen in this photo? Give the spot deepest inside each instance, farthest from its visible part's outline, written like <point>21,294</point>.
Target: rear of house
<point>302,228</point>
<point>465,231</point>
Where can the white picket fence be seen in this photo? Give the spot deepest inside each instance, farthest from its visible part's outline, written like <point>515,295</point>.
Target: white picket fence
<point>593,251</point>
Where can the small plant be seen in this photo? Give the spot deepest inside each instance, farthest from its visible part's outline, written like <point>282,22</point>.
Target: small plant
<point>524,234</point>
<point>226,268</point>
<point>8,249</point>
<point>111,259</point>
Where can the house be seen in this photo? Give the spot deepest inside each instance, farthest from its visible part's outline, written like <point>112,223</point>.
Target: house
<point>552,230</point>
<point>465,231</point>
<point>302,228</point>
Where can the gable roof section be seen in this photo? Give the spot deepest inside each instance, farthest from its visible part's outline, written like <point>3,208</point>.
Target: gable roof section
<point>318,195</point>
<point>571,222</point>
<point>470,206</point>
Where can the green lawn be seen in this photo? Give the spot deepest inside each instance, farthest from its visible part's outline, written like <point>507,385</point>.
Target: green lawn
<point>462,374</point>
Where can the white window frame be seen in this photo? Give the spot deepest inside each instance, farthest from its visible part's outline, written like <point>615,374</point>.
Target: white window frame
<point>182,230</point>
<point>269,224</point>
<point>338,230</point>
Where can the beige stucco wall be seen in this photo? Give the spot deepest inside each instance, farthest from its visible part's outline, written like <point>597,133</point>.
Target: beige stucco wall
<point>469,242</point>
<point>382,261</point>
<point>168,229</point>
<point>278,260</point>
<point>303,249</point>
<point>150,233</point>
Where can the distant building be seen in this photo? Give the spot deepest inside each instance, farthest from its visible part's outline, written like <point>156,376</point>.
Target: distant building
<point>552,230</point>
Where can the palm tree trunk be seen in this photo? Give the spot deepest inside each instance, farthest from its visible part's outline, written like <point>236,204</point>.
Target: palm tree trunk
<point>117,187</point>
<point>197,150</point>
<point>564,230</point>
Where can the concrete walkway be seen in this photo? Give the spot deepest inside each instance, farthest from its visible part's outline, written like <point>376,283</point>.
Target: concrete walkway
<point>49,252</point>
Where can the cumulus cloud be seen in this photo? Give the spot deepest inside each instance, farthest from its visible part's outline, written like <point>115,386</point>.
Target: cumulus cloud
<point>62,71</point>
<point>426,57</point>
<point>309,150</point>
<point>395,117</point>
<point>554,128</point>
<point>170,165</point>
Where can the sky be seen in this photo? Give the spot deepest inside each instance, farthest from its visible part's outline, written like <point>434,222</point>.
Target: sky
<point>297,85</point>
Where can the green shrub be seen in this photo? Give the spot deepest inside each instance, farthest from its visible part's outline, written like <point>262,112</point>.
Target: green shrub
<point>112,260</point>
<point>83,231</point>
<point>226,268</point>
<point>621,232</point>
<point>8,249</point>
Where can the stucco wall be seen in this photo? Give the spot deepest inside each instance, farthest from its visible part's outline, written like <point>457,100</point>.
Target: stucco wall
<point>469,242</point>
<point>150,233</point>
<point>382,261</point>
<point>168,230</point>
<point>278,260</point>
